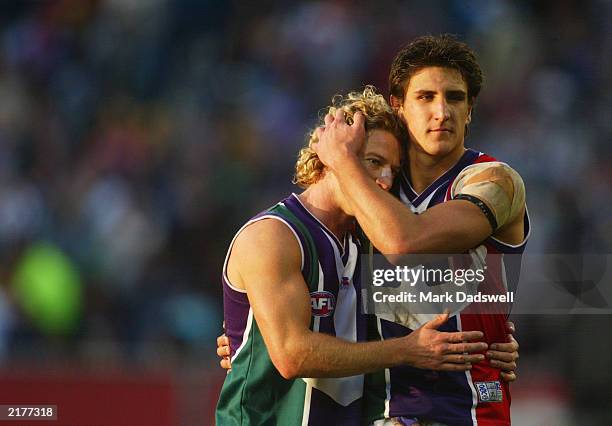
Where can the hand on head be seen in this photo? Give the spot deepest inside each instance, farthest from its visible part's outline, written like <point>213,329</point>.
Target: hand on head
<point>338,139</point>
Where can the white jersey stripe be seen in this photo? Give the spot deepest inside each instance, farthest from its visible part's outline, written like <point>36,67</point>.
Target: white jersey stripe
<point>306,412</point>
<point>468,375</point>
<point>245,335</point>
<point>346,302</point>
<point>387,375</point>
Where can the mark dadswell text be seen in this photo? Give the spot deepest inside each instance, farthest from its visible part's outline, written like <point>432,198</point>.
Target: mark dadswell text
<point>447,297</point>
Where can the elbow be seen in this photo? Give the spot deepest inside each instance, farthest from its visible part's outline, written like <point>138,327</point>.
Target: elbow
<point>406,240</point>
<point>287,369</point>
<point>393,246</point>
<point>289,363</point>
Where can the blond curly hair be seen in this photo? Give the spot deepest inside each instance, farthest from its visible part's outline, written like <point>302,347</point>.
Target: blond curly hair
<point>378,115</point>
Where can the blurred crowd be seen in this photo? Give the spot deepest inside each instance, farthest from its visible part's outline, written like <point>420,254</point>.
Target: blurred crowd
<point>137,135</point>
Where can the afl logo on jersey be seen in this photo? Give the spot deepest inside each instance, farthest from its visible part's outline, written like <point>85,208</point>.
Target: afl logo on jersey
<point>323,303</point>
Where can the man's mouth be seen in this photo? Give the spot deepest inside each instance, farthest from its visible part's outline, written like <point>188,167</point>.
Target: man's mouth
<point>441,129</point>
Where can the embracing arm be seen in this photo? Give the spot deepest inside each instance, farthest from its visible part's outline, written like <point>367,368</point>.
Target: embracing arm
<point>501,355</point>
<point>451,227</point>
<point>280,301</point>
<point>394,229</point>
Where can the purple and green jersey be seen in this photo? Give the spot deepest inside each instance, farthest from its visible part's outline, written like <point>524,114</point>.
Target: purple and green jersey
<point>254,392</point>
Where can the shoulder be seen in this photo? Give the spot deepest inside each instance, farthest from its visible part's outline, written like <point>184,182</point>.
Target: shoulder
<point>492,171</point>
<point>495,184</point>
<point>262,230</point>
<point>265,242</point>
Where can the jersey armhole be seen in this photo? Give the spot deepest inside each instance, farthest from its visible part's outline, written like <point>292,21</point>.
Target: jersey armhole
<point>527,234</point>
<point>229,250</point>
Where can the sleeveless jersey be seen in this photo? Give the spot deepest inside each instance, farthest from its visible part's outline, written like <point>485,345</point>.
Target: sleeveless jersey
<point>475,397</point>
<point>254,392</point>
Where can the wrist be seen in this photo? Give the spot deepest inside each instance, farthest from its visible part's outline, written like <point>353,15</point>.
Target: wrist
<point>399,353</point>
<point>341,159</point>
<point>347,162</point>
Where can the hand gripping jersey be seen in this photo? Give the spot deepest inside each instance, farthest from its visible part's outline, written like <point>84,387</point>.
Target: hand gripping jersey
<point>476,397</point>
<point>254,393</point>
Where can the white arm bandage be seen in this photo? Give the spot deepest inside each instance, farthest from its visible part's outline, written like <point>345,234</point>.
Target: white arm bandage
<point>495,184</point>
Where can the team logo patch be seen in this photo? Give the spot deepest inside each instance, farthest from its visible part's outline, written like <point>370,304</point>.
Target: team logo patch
<point>345,283</point>
<point>323,303</point>
<point>489,391</point>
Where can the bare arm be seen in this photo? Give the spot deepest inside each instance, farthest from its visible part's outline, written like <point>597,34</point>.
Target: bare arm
<point>281,305</point>
<point>388,223</point>
<point>501,355</point>
<point>450,227</point>
<point>394,229</point>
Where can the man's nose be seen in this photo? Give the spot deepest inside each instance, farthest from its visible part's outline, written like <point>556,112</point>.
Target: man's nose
<point>385,180</point>
<point>441,110</point>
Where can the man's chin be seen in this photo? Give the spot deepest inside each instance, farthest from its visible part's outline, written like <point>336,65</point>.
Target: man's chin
<point>437,148</point>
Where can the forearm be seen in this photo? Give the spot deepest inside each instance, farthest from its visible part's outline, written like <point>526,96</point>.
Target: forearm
<point>385,220</point>
<point>322,355</point>
<point>450,227</point>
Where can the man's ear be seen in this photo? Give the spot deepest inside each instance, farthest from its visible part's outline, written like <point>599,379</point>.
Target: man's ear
<point>395,103</point>
<point>469,116</point>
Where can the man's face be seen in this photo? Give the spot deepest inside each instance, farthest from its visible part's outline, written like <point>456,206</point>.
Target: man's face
<point>381,157</point>
<point>436,110</point>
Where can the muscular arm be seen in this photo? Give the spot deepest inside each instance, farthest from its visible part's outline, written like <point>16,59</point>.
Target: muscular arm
<point>450,227</point>
<point>394,229</point>
<point>265,260</point>
<point>501,355</point>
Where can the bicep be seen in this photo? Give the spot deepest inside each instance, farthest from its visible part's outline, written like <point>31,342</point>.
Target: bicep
<point>493,203</point>
<point>269,260</point>
<point>497,187</point>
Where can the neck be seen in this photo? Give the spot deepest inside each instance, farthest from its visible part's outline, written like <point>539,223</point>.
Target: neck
<point>426,168</point>
<point>320,201</point>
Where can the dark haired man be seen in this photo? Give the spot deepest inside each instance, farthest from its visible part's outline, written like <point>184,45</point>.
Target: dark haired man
<point>291,295</point>
<point>451,200</point>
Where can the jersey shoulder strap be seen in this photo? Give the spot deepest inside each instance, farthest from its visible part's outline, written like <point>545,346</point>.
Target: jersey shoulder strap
<point>310,257</point>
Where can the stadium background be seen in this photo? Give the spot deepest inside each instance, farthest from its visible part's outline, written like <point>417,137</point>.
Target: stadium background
<point>137,135</point>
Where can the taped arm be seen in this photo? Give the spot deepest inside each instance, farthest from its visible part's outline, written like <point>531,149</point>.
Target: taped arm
<point>495,188</point>
<point>450,227</point>
<point>393,228</point>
